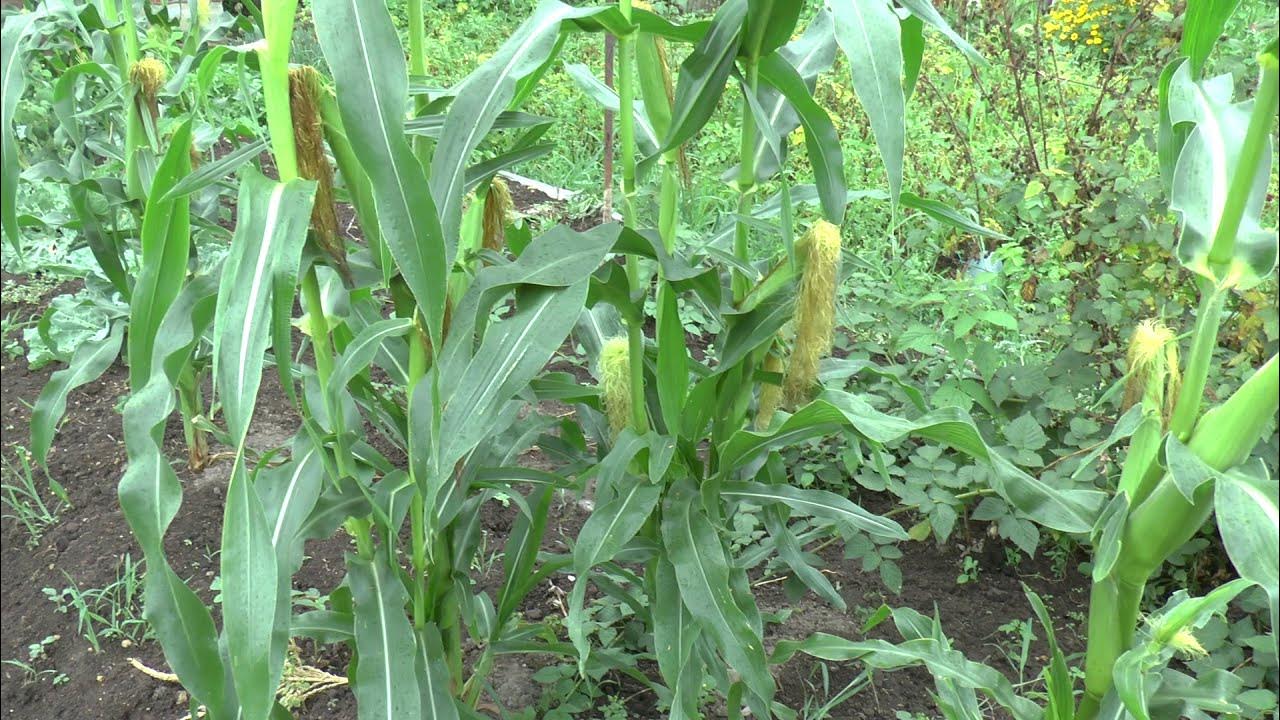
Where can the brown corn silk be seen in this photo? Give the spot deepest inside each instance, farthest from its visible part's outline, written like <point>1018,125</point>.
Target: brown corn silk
<point>308,139</point>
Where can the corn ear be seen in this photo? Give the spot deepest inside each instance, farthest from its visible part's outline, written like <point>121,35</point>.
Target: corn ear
<point>770,394</point>
<point>1154,377</point>
<point>148,75</point>
<point>498,208</point>
<point>305,88</point>
<point>615,382</point>
<point>815,311</point>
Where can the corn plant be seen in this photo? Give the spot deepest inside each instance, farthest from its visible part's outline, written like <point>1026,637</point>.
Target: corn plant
<point>1183,464</point>
<point>113,109</point>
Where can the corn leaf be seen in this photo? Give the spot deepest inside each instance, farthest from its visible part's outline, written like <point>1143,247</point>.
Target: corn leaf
<point>704,72</point>
<point>12,82</point>
<point>1247,504</point>
<point>869,33</point>
<point>363,51</point>
<point>820,136</point>
<point>674,635</point>
<point>270,230</point>
<point>166,227</point>
<point>385,683</point>
<point>702,574</point>
<point>89,362</point>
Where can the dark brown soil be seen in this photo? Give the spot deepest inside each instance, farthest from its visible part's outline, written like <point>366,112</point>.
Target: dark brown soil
<point>85,547</point>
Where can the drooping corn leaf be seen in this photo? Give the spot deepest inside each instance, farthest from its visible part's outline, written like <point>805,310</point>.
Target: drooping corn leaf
<point>1247,503</point>
<point>674,635</point>
<point>1065,509</point>
<point>89,362</point>
<point>1203,175</point>
<point>821,140</point>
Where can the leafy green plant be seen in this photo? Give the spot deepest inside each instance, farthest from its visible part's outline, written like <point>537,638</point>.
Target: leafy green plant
<point>1183,465</point>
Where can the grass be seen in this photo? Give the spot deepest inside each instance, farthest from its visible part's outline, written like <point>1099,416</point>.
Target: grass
<point>23,501</point>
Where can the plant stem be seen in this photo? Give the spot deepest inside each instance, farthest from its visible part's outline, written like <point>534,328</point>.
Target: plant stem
<point>1203,343</point>
<point>418,66</point>
<point>323,351</point>
<point>191,406</point>
<point>627,140</point>
<point>1113,618</point>
<point>1255,144</point>
<point>746,182</point>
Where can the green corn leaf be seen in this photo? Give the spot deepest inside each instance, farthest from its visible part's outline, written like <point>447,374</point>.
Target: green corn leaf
<point>817,503</point>
<point>361,351</point>
<point>324,626</point>
<point>12,82</point>
<point>947,215</point>
<point>702,573</point>
<point>64,95</point>
<point>924,10</point>
<point>869,33</point>
<point>270,230</point>
<point>1201,27</point>
<point>1170,138</point>
<point>432,125</point>
<point>484,171</point>
<point>1247,504</point>
<point>433,677</point>
<point>212,172</point>
<point>1058,680</point>
<point>950,665</point>
<point>810,54</point>
<point>602,536</point>
<point>511,354</point>
<point>674,635</point>
<point>385,682</point>
<point>363,50</point>
<point>166,227</point>
<point>1067,510</point>
<point>107,246</point>
<point>704,73</point>
<point>912,53</point>
<point>359,190</point>
<point>820,136</point>
<point>1108,535</point>
<point>1204,173</point>
<point>89,362</point>
<point>521,551</point>
<point>481,99</point>
<point>791,553</point>
<point>288,494</point>
<point>251,587</point>
<point>770,24</point>
<point>673,359</point>
<point>647,137</point>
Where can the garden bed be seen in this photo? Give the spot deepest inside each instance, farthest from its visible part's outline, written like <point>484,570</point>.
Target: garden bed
<point>87,545</point>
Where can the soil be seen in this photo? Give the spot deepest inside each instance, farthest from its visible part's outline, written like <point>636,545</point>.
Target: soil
<point>85,548</point>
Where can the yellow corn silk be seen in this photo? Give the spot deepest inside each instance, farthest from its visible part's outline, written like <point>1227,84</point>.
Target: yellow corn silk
<point>1154,377</point>
<point>308,138</point>
<point>148,75</point>
<point>815,311</point>
<point>498,208</point>
<point>615,382</point>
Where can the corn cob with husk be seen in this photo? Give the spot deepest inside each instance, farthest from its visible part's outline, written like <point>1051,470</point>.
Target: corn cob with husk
<point>815,310</point>
<point>305,87</point>
<point>615,383</point>
<point>498,209</point>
